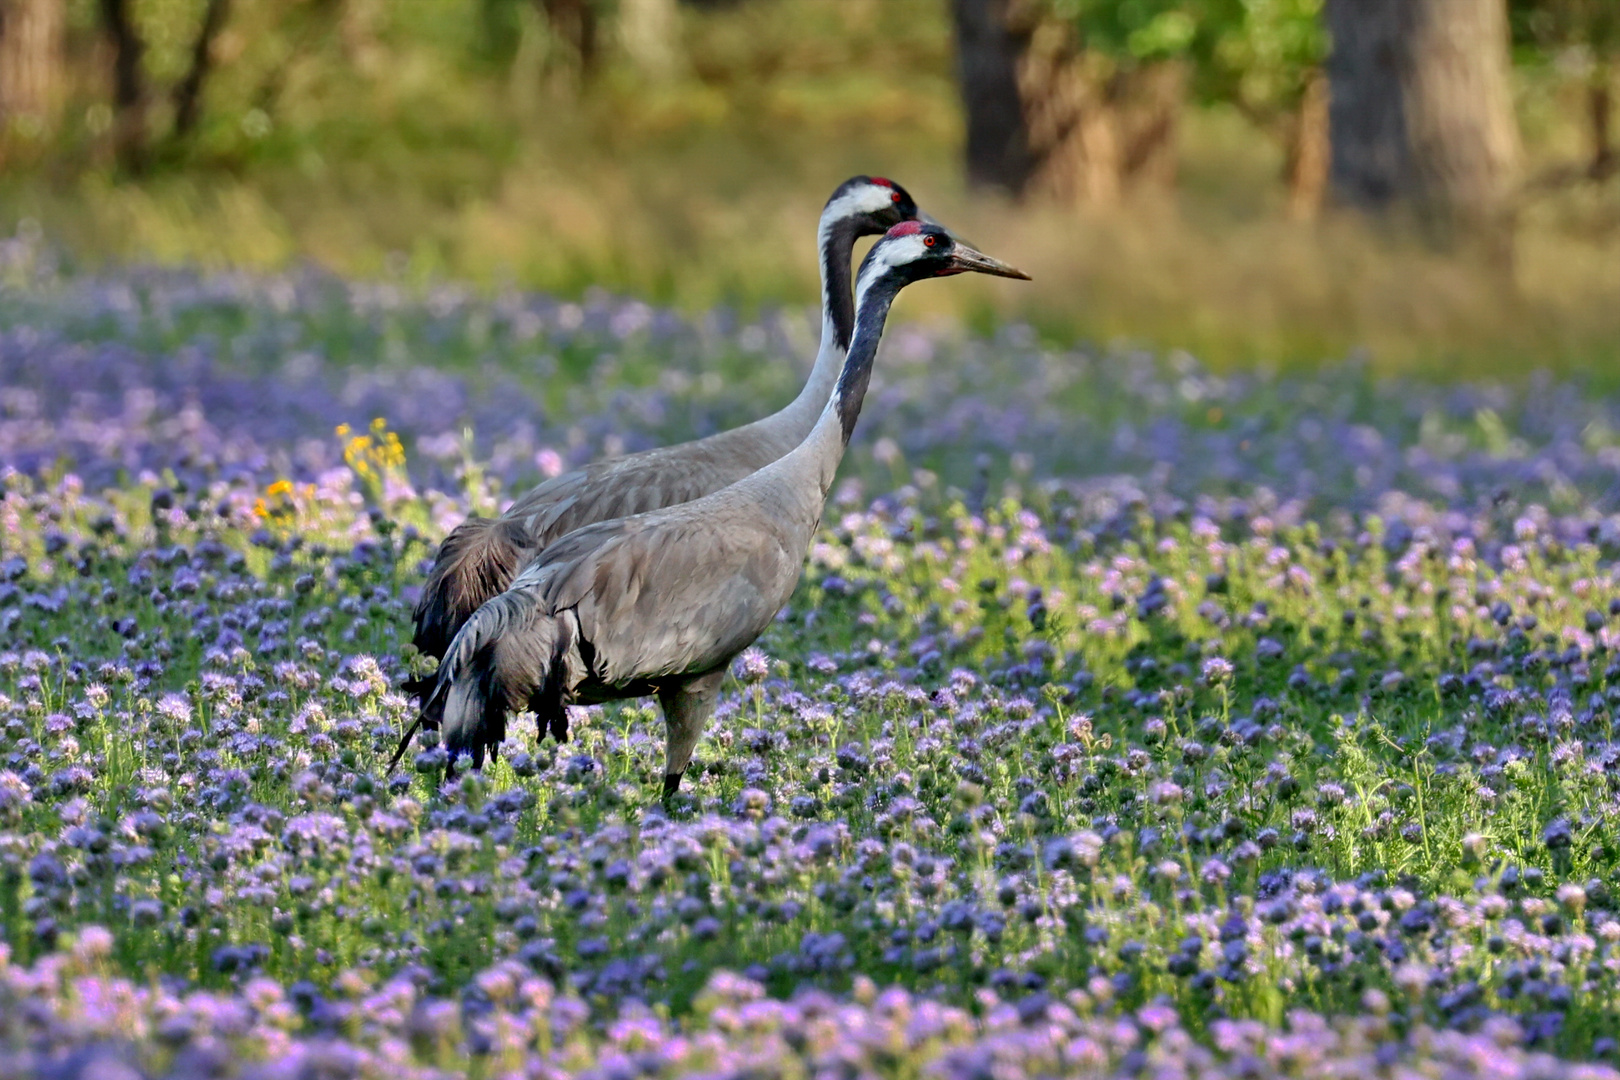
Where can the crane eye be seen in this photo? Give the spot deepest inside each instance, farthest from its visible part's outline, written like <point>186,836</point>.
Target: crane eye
<point>928,241</point>
<point>894,196</point>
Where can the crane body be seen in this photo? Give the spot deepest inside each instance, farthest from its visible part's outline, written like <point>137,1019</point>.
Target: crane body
<point>481,556</point>
<point>660,602</point>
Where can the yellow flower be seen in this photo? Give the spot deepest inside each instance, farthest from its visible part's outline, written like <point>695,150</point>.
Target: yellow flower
<point>278,503</point>
<point>376,458</point>
<point>393,451</point>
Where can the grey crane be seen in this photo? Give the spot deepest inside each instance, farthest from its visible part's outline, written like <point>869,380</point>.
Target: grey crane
<point>661,602</point>
<point>480,556</point>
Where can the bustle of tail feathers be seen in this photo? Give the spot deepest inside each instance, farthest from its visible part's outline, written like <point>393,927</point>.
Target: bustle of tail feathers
<point>509,656</point>
<point>476,562</point>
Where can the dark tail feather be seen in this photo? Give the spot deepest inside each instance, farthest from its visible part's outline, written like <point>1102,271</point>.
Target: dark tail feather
<point>428,718</point>
<point>418,689</point>
<point>476,562</point>
<point>404,744</point>
<point>510,655</point>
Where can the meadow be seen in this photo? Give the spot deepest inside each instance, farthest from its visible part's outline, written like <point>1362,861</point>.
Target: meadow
<point>1130,719</point>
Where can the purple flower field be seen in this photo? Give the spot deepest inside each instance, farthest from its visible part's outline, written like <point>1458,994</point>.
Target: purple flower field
<point>1130,719</point>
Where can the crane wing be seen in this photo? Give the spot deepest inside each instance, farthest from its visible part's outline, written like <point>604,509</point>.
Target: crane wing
<point>667,594</point>
<point>624,486</point>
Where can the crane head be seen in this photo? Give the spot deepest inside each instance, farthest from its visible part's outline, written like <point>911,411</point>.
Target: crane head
<point>871,205</point>
<point>913,250</point>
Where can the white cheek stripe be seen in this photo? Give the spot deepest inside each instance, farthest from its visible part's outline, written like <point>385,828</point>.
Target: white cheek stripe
<point>888,254</point>
<point>866,199</point>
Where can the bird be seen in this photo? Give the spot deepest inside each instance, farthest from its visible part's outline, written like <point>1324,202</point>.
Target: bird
<point>481,555</point>
<point>660,603</point>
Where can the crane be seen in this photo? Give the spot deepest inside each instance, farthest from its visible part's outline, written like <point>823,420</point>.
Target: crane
<point>659,603</point>
<point>480,556</point>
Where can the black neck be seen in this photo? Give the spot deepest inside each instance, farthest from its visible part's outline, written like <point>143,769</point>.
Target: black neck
<point>857,371</point>
<point>836,249</point>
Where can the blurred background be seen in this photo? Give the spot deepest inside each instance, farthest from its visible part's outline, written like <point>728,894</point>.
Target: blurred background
<point>1435,183</point>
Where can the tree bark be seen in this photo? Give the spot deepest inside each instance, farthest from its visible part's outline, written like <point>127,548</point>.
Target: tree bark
<point>129,85</point>
<point>188,94</point>
<point>650,33</point>
<point>1073,146</point>
<point>1097,175</point>
<point>1308,151</point>
<point>1600,120</point>
<point>1421,110</point>
<point>1045,115</point>
<point>30,63</point>
<point>575,22</point>
<point>988,55</point>
<point>1148,102</point>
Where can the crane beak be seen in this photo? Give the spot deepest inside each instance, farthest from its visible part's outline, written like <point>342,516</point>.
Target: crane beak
<point>965,259</point>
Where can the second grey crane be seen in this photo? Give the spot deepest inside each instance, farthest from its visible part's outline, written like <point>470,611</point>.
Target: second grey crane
<point>661,602</point>
<point>480,556</point>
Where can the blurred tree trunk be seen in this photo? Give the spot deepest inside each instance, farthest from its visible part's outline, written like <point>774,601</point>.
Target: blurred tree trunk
<point>1147,101</point>
<point>1603,162</point>
<point>1089,166</point>
<point>30,64</point>
<point>1072,147</point>
<point>988,55</point>
<point>129,85</point>
<point>1097,133</point>
<point>1045,115</point>
<point>650,33</point>
<point>575,24</point>
<point>188,94</point>
<point>1421,110</point>
<point>1309,151</point>
<point>357,31</point>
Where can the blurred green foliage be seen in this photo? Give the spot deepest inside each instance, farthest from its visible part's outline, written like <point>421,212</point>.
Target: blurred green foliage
<point>1263,52</point>
<point>1254,51</point>
<point>1544,29</point>
<point>1138,30</point>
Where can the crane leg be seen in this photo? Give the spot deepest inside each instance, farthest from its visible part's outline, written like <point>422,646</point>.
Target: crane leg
<point>687,707</point>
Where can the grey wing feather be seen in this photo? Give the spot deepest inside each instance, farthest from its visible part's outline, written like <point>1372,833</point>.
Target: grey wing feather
<point>678,597</point>
<point>620,605</point>
<point>634,484</point>
<point>480,557</point>
<point>669,593</point>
